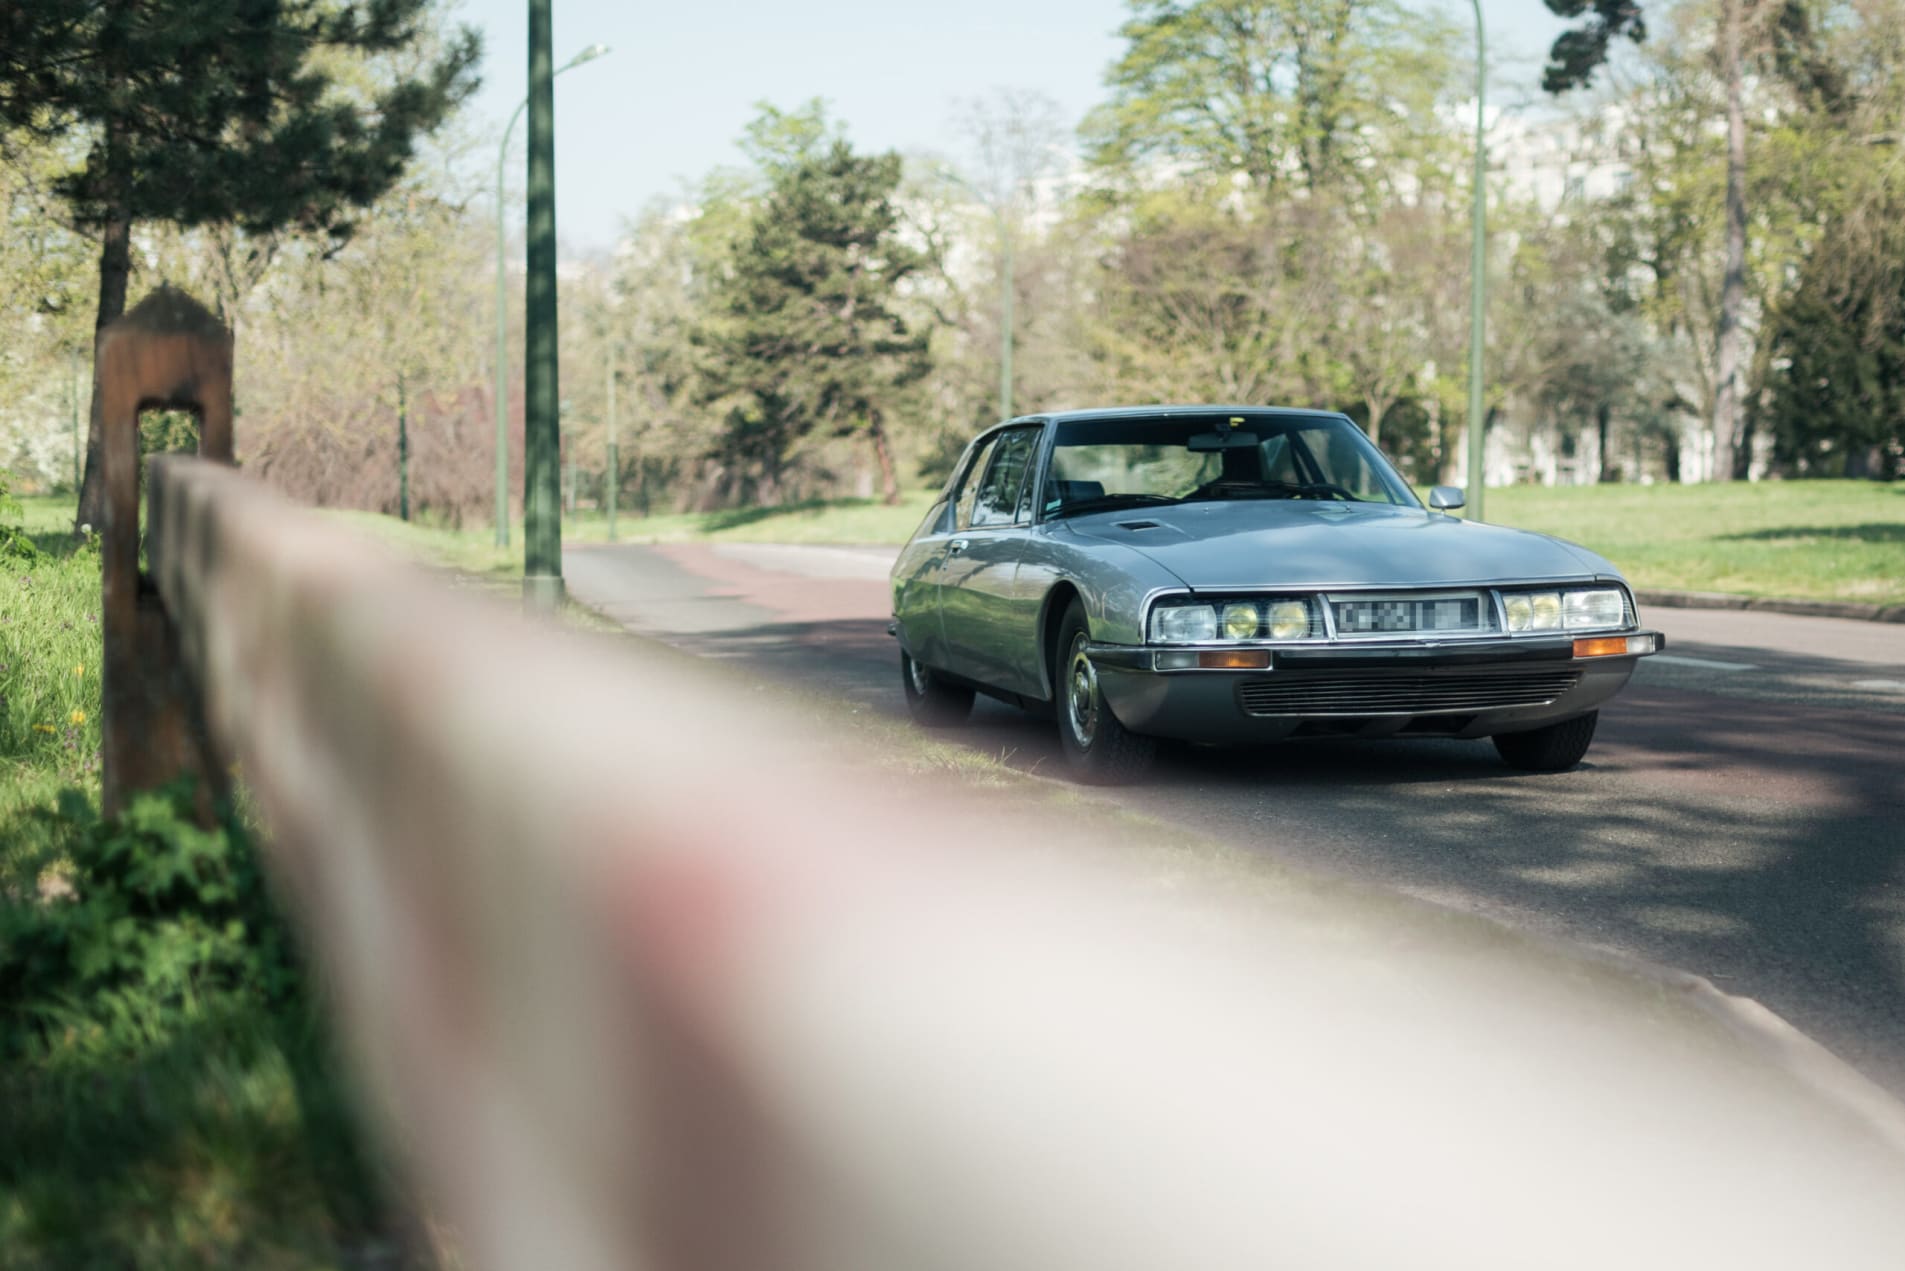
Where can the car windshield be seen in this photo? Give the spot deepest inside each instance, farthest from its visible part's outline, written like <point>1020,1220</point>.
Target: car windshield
<point>1120,462</point>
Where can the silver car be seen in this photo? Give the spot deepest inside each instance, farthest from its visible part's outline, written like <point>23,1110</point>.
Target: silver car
<point>1242,574</point>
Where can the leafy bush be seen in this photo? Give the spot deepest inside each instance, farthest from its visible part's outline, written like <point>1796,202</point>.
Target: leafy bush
<point>148,926</point>
<point>13,539</point>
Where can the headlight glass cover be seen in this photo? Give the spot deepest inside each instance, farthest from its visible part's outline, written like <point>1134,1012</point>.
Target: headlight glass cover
<point>1183,624</point>
<point>1230,620</point>
<point>1589,609</point>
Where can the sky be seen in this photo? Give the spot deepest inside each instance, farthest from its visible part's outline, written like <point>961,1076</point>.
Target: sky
<point>667,103</point>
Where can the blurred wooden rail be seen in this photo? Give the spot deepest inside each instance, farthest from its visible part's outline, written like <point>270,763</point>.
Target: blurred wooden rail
<point>637,981</point>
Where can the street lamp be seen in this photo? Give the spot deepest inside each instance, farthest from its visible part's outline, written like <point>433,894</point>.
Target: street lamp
<point>502,303</point>
<point>1477,284</point>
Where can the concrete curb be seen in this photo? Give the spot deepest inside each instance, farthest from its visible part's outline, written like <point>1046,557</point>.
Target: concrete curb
<point>1835,1081</point>
<point>1764,604</point>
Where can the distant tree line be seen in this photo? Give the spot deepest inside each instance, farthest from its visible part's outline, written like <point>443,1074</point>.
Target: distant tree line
<point>1270,205</point>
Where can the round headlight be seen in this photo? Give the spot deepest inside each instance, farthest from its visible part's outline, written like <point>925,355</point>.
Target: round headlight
<point>1240,622</point>
<point>1519,612</point>
<point>1289,619</point>
<point>1547,610</point>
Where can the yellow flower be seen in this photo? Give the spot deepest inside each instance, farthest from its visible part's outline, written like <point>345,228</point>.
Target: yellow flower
<point>44,728</point>
<point>80,670</point>
<point>79,717</point>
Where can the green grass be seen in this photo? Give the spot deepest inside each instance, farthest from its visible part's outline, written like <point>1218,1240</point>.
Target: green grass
<point>49,676</point>
<point>1809,540</point>
<point>221,1137</point>
<point>1812,540</point>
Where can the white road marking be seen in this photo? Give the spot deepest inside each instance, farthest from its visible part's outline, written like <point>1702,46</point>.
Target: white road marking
<point>1710,664</point>
<point>1881,686</point>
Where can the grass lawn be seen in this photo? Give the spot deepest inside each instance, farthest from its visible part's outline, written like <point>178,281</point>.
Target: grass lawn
<point>1813,540</point>
<point>1810,540</point>
<point>205,1127</point>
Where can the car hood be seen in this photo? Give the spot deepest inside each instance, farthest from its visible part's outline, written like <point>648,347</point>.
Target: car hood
<point>1306,543</point>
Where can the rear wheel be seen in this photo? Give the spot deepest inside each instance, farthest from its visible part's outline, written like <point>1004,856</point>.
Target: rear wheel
<point>1554,748</point>
<point>1099,748</point>
<point>932,701</point>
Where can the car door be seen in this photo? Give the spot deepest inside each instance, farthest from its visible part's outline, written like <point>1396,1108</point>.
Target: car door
<point>919,573</point>
<point>979,592</point>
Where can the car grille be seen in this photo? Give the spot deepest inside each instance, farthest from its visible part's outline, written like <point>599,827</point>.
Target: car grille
<point>1461,613</point>
<point>1302,693</point>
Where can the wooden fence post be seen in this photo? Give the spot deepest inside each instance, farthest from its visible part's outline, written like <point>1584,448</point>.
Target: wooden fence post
<point>168,353</point>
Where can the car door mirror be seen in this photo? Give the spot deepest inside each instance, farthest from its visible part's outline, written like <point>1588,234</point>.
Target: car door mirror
<point>1444,498</point>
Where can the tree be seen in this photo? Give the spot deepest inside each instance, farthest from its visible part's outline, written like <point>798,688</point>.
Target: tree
<point>1308,94</point>
<point>809,338</point>
<point>222,112</point>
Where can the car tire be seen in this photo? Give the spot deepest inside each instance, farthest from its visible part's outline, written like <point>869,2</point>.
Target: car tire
<point>931,700</point>
<point>1555,748</point>
<point>1097,747</point>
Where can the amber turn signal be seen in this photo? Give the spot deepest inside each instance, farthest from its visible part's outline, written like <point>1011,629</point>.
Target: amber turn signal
<point>1600,647</point>
<point>1234,660</point>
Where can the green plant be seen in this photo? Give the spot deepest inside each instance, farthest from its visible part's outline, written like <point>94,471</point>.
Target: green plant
<point>13,539</point>
<point>149,925</point>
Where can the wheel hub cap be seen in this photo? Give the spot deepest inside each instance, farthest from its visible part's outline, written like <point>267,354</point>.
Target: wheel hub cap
<point>1081,697</point>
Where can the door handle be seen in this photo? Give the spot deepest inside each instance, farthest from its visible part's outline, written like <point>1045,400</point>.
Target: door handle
<point>957,546</point>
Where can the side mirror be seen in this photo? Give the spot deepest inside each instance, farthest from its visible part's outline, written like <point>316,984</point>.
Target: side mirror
<point>1444,498</point>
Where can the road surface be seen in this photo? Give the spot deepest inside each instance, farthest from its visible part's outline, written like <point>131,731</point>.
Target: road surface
<point>1741,815</point>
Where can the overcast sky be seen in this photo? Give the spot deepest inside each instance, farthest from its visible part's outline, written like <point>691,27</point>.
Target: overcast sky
<point>666,105</point>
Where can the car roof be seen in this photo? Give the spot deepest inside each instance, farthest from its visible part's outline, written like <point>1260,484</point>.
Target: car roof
<point>1144,412</point>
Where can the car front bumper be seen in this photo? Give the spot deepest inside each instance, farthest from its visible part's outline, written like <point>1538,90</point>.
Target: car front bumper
<point>1447,689</point>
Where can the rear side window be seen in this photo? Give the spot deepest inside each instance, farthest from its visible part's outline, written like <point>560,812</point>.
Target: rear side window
<point>998,501</point>
<point>969,485</point>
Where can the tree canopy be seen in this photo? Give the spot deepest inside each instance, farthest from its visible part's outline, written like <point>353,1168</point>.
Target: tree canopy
<point>808,337</point>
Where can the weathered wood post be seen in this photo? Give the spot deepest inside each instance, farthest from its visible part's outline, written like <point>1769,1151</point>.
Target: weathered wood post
<point>168,353</point>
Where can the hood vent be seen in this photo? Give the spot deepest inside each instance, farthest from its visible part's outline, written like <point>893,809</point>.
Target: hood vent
<point>1137,525</point>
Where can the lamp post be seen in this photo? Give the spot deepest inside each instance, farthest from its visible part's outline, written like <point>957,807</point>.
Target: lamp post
<point>1477,284</point>
<point>502,301</point>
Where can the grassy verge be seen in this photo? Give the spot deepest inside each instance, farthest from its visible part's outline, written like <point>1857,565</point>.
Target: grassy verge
<point>168,1093</point>
<point>1813,540</point>
<point>1810,540</point>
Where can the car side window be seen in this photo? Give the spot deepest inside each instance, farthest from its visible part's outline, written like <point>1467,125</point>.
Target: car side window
<point>969,485</point>
<point>998,502</point>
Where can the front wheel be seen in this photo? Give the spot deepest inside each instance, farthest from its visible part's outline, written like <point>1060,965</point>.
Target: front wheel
<point>932,701</point>
<point>1555,748</point>
<point>1098,747</point>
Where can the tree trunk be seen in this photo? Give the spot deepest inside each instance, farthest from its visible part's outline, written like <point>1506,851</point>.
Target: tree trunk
<point>1726,397</point>
<point>1376,413</point>
<point>889,482</point>
<point>115,268</point>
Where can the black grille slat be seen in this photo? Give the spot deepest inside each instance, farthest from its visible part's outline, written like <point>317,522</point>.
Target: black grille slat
<point>1325,694</point>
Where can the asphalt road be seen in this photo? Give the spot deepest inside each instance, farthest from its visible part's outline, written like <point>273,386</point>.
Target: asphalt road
<point>1741,815</point>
